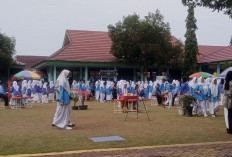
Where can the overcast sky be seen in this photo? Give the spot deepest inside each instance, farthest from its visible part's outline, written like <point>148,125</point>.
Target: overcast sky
<point>39,25</point>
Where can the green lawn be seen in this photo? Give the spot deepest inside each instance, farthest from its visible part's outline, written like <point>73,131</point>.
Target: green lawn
<point>30,131</point>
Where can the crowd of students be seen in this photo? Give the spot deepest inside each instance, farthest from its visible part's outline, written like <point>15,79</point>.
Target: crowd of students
<point>208,92</point>
<point>34,91</point>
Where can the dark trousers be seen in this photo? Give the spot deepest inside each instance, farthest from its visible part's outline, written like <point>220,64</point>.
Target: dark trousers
<point>159,99</point>
<point>4,96</point>
<point>173,99</point>
<point>230,120</point>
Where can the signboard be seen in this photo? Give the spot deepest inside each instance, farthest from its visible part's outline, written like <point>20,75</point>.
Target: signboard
<point>108,73</point>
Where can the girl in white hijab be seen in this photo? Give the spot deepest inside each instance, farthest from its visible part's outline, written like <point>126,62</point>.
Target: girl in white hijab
<point>213,95</point>
<point>202,96</point>
<point>15,90</point>
<point>24,92</point>
<point>62,115</point>
<point>44,93</point>
<point>51,96</point>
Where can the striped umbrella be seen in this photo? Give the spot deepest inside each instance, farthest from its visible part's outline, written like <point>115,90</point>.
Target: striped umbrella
<point>27,75</point>
<point>201,74</point>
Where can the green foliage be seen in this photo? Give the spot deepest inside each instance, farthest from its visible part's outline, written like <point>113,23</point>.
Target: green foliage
<point>219,5</point>
<point>191,45</point>
<point>226,65</point>
<point>188,100</point>
<point>143,41</point>
<point>7,50</point>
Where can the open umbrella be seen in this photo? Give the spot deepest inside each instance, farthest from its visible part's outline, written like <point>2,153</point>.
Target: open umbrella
<point>223,74</point>
<point>201,74</point>
<point>27,75</point>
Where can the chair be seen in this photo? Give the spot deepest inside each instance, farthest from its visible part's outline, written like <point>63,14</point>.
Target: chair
<point>154,101</point>
<point>29,105</point>
<point>18,104</point>
<point>117,105</point>
<point>131,105</point>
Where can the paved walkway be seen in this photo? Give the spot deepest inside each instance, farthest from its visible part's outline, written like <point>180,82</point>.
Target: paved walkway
<point>216,149</point>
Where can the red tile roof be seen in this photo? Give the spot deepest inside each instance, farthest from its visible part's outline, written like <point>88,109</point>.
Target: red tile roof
<point>88,46</point>
<point>223,54</point>
<point>205,50</point>
<point>29,61</point>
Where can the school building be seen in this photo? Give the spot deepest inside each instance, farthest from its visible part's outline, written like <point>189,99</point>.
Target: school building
<point>85,53</point>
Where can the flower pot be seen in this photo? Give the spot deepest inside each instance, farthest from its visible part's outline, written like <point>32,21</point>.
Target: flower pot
<point>189,111</point>
<point>75,107</point>
<point>181,111</point>
<point>83,107</point>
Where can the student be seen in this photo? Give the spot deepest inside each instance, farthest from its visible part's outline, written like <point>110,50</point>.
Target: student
<point>62,116</point>
<point>102,91</point>
<point>40,87</point>
<point>97,91</point>
<point>15,90</point>
<point>29,91</point>
<point>3,94</point>
<point>24,92</point>
<point>202,95</point>
<point>175,92</point>
<point>45,93</point>
<point>150,89</point>
<point>227,102</point>
<point>169,88</point>
<point>157,93</point>
<point>51,96</point>
<point>162,86</point>
<point>213,94</point>
<point>132,88</point>
<point>220,86</point>
<point>108,91</point>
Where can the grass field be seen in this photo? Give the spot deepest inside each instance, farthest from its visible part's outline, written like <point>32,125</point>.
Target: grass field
<point>30,131</point>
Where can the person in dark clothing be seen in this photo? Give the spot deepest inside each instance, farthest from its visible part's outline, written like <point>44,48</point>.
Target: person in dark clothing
<point>3,94</point>
<point>227,102</point>
<point>157,93</point>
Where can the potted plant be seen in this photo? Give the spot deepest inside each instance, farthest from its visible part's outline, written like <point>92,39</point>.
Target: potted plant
<point>83,106</point>
<point>187,104</point>
<point>74,96</point>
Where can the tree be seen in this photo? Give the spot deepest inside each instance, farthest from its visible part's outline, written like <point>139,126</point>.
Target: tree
<point>219,5</point>
<point>144,42</point>
<point>7,50</point>
<point>191,46</point>
<point>231,40</point>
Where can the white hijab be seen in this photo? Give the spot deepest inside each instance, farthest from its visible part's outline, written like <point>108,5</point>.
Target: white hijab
<point>29,85</point>
<point>124,90</point>
<point>214,88</point>
<point>15,85</point>
<point>40,84</point>
<point>24,84</point>
<point>205,86</point>
<point>193,83</point>
<point>63,80</point>
<point>45,85</point>
<point>51,84</point>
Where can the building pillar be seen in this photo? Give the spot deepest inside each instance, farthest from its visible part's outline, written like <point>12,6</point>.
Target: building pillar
<point>54,74</point>
<point>134,73</point>
<point>81,77</point>
<point>141,74</point>
<point>200,67</point>
<point>115,78</point>
<point>218,68</point>
<point>49,72</point>
<point>86,74</point>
